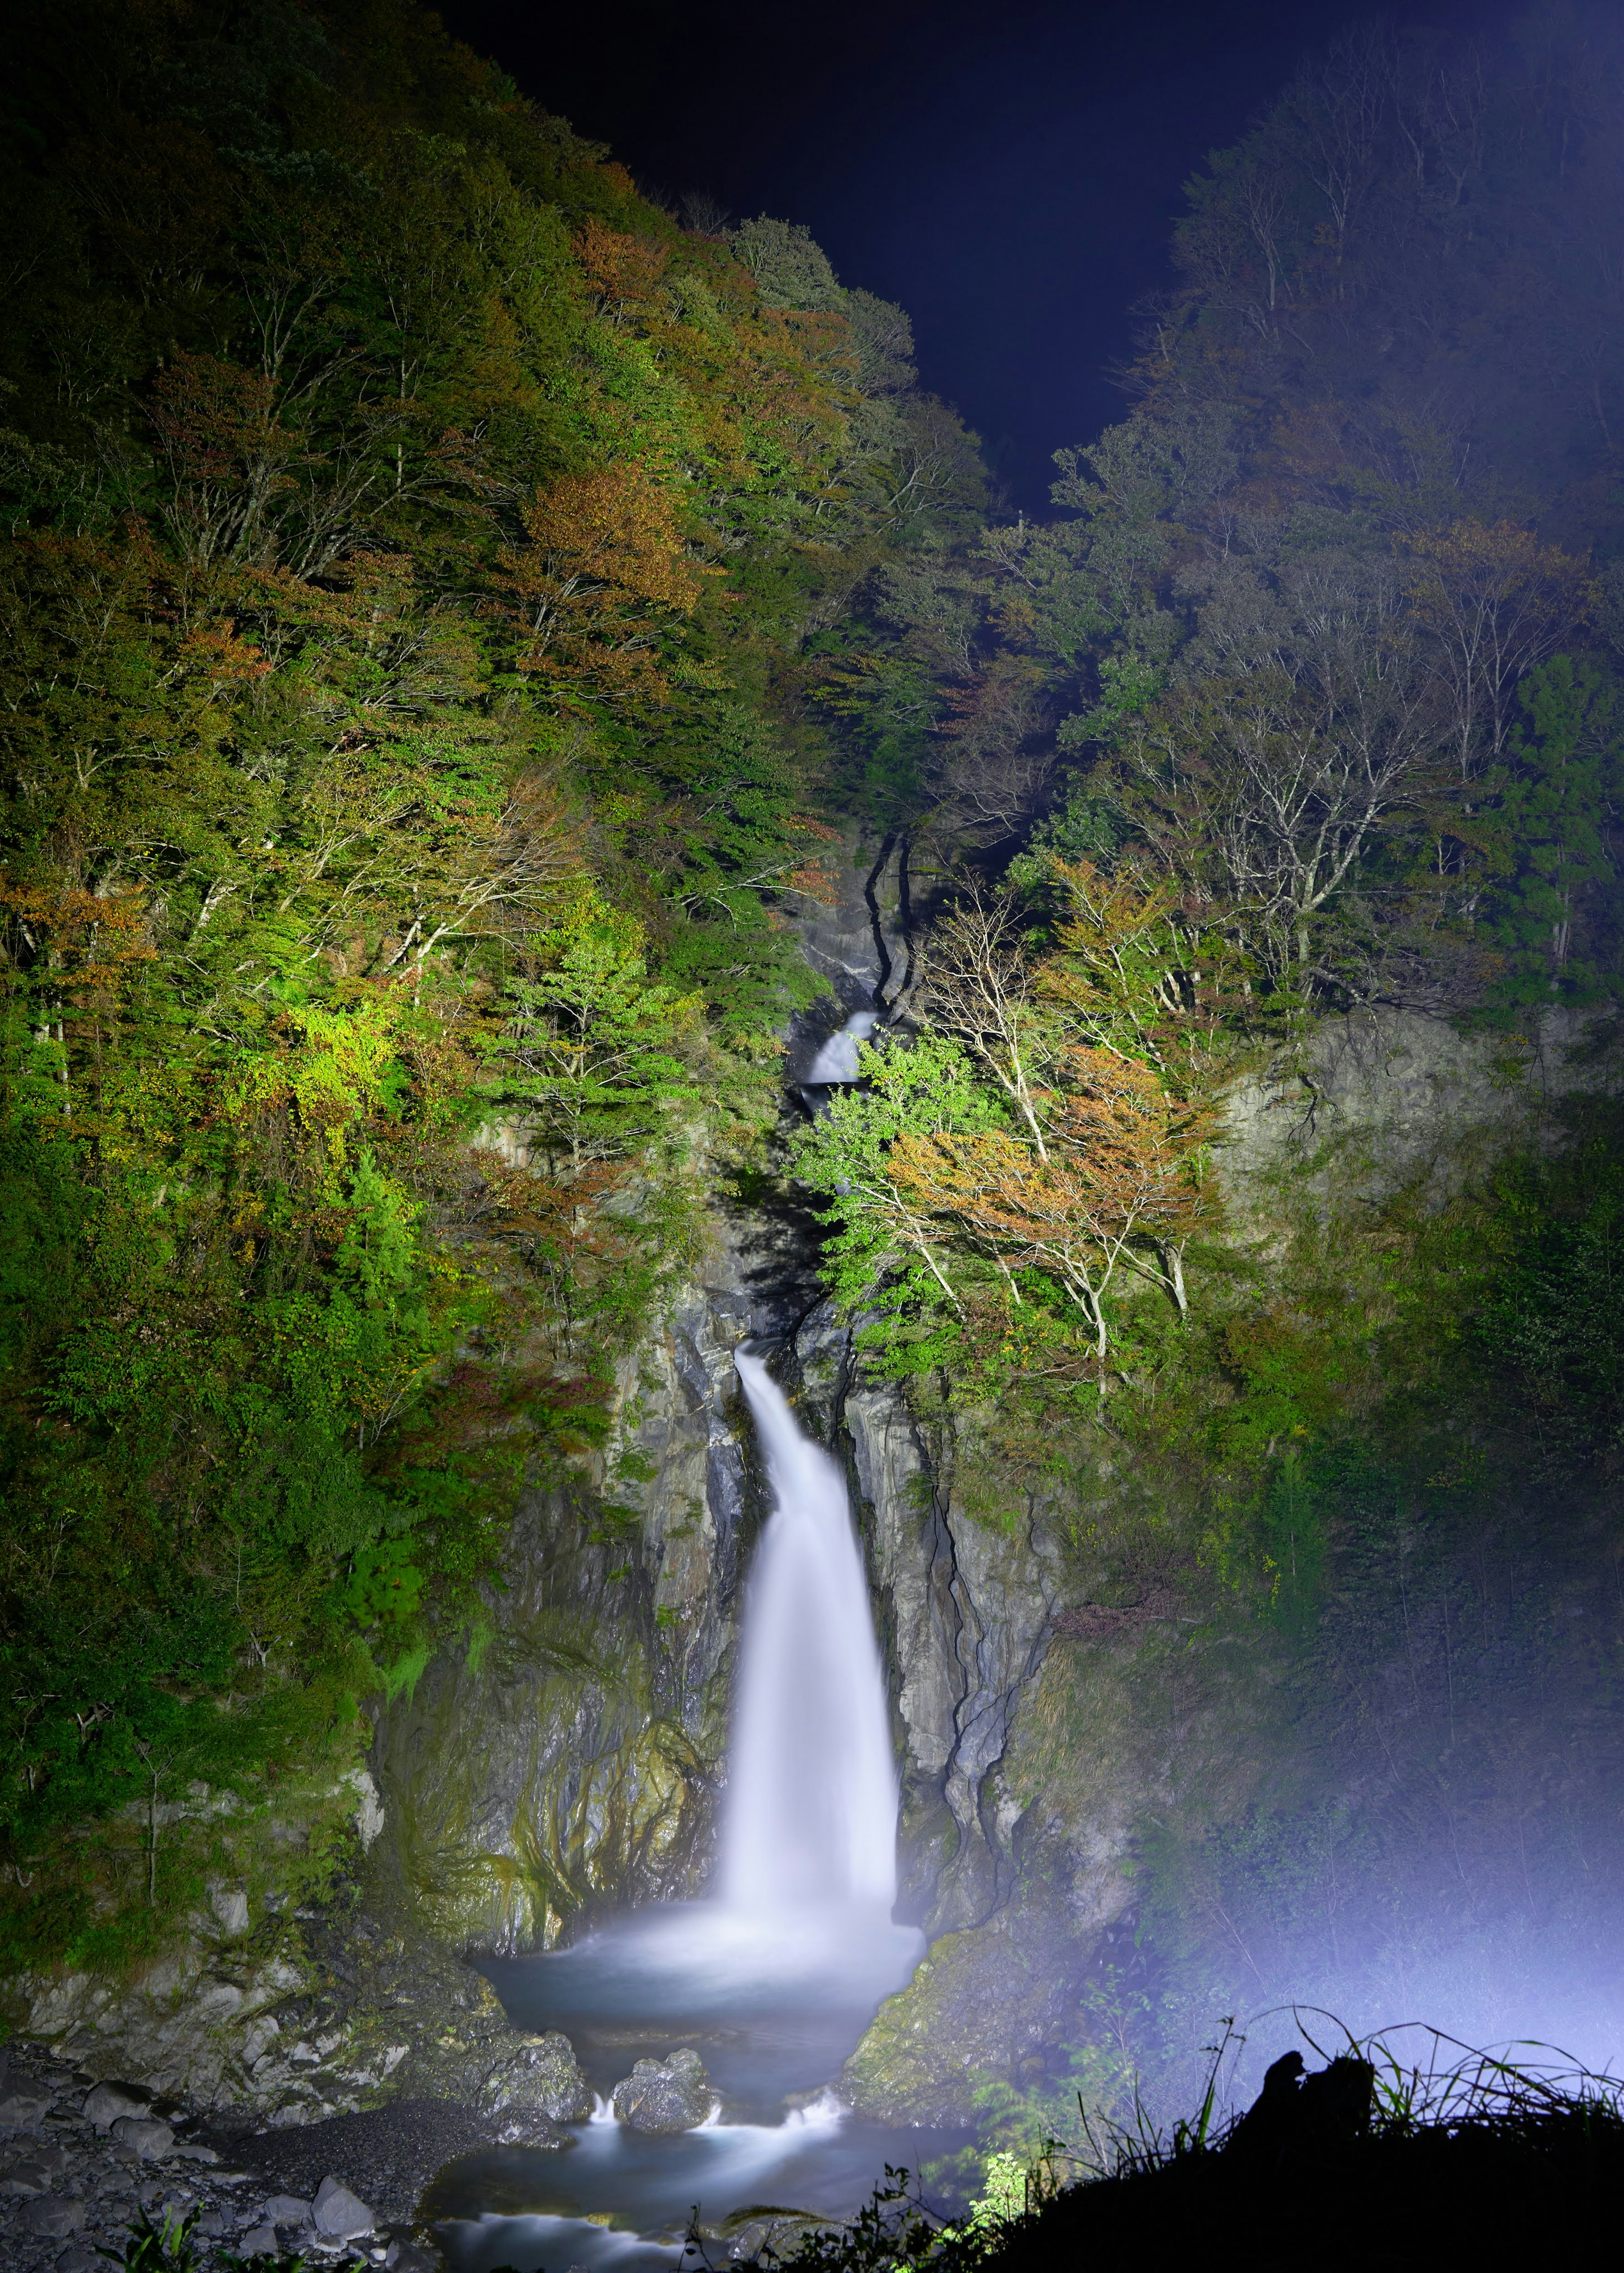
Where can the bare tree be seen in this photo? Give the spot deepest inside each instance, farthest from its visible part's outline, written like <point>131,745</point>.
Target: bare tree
<point>1491,602</point>
<point>979,988</point>
<point>1266,780</point>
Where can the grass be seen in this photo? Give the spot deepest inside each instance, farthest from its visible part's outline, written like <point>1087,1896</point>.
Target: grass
<point>1404,2149</point>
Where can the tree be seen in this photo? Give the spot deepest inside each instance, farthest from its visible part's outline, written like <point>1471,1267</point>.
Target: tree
<point>1111,1189</point>
<point>1493,602</point>
<point>979,988</point>
<point>1137,978</point>
<point>1263,783</point>
<point>925,1173</point>
<point>1552,809</point>
<point>597,585</point>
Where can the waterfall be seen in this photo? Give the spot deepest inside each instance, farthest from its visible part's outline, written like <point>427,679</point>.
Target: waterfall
<point>810,1821</point>
<point>837,1061</point>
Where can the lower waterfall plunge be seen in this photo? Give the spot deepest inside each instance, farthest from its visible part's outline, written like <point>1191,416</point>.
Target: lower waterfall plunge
<point>775,1977</point>
<point>811,1812</point>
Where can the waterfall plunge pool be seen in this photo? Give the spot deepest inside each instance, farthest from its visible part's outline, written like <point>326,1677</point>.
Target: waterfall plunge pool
<point>774,1982</point>
<point>773,2016</point>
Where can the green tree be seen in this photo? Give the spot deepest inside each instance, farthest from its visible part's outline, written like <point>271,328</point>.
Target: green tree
<point>1553,809</point>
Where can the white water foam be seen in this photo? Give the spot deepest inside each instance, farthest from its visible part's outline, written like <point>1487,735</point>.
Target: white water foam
<point>837,1061</point>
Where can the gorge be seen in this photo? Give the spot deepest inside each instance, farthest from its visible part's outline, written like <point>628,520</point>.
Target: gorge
<point>808,1294</point>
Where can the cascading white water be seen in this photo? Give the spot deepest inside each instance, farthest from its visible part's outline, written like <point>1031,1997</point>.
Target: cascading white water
<point>801,1914</point>
<point>810,1820</point>
<point>837,1061</point>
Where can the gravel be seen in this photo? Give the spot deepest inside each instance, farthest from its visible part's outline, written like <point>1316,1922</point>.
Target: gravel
<point>387,2156</point>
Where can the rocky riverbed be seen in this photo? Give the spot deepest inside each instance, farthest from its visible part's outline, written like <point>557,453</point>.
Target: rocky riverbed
<point>82,2161</point>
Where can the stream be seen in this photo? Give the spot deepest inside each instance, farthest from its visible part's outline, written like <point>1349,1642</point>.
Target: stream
<point>773,1981</point>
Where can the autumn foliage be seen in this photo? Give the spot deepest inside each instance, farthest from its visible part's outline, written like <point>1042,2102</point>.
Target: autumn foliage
<point>603,570</point>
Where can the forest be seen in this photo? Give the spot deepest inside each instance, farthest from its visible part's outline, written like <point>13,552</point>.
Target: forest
<point>459,614</point>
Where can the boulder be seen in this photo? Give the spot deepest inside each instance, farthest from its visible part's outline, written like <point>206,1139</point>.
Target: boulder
<point>258,2241</point>
<point>532,2131</point>
<point>539,2076</point>
<point>145,2138</point>
<point>53,2216</point>
<point>30,2175</point>
<point>107,2102</point>
<point>287,2210</point>
<point>670,2094</point>
<point>23,2110</point>
<point>412,2257</point>
<point>339,2215</point>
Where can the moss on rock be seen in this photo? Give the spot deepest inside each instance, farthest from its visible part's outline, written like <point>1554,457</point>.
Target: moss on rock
<point>984,2004</point>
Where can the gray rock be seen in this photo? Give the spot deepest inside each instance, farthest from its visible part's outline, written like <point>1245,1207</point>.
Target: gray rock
<point>213,2225</point>
<point>229,1905</point>
<point>749,2238</point>
<point>338,2215</point>
<point>23,2110</point>
<point>532,2131</point>
<point>29,2177</point>
<point>663,2095</point>
<point>539,2075</point>
<point>79,2257</point>
<point>287,2210</point>
<point>412,2257</point>
<point>52,2215</point>
<point>108,2102</point>
<point>258,2241</point>
<point>146,2139</point>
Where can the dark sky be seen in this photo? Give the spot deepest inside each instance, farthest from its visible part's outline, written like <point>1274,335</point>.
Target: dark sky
<point>1008,172</point>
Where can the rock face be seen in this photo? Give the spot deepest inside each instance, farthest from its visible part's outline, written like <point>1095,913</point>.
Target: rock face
<point>1390,1097</point>
<point>965,1614</point>
<point>572,1766</point>
<point>666,2095</point>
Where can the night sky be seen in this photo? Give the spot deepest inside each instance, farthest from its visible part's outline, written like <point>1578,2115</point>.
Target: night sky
<point>1008,172</point>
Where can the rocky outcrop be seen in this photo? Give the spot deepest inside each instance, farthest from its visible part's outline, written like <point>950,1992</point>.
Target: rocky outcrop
<point>1387,1097</point>
<point>570,1765</point>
